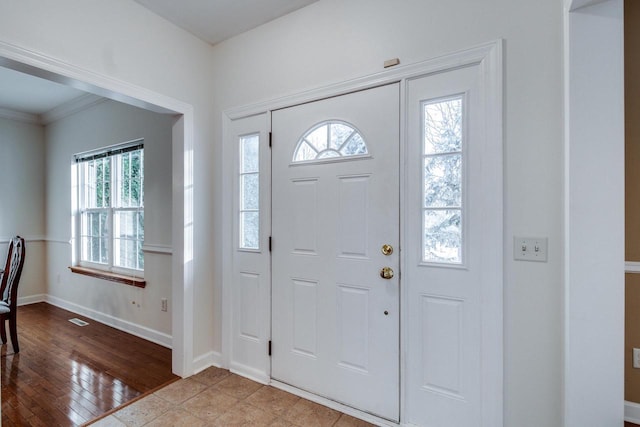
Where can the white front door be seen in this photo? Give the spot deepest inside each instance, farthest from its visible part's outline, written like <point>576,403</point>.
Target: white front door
<point>335,194</point>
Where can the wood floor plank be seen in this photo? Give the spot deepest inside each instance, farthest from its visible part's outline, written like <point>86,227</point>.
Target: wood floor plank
<point>66,375</point>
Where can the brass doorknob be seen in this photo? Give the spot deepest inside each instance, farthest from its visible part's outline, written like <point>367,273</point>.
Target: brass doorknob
<point>387,249</point>
<point>386,273</point>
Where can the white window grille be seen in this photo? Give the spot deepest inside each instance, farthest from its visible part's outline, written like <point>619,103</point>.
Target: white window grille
<point>111,207</point>
<point>443,177</point>
<point>249,211</point>
<point>329,140</point>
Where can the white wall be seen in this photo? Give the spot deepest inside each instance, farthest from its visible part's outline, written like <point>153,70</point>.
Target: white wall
<point>331,41</point>
<point>336,40</point>
<point>594,345</point>
<point>22,186</point>
<point>105,124</point>
<point>122,40</point>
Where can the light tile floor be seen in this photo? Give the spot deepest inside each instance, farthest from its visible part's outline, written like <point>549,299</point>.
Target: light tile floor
<point>216,397</point>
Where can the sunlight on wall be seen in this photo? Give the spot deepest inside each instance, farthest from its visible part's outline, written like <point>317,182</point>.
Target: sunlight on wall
<point>188,206</point>
<point>74,210</point>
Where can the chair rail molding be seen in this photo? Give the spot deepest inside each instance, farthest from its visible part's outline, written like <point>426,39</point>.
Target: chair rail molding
<point>157,249</point>
<point>6,240</point>
<point>632,267</point>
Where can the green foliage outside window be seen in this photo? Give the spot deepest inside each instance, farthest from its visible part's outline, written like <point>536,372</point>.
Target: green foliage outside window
<point>112,209</point>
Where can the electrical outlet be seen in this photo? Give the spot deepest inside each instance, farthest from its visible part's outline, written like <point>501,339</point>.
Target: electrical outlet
<point>164,304</point>
<point>636,357</point>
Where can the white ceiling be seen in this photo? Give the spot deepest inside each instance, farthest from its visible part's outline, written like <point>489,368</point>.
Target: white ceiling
<point>216,20</point>
<point>28,94</point>
<point>211,20</point>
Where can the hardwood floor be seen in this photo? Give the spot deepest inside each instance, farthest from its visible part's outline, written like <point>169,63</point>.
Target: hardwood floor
<point>66,375</point>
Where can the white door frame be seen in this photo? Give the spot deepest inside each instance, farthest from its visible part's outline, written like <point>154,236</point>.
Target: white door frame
<point>594,280</point>
<point>49,68</point>
<point>489,57</point>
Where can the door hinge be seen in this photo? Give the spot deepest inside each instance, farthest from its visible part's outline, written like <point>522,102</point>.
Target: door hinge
<point>269,348</point>
<point>270,139</point>
<point>269,243</point>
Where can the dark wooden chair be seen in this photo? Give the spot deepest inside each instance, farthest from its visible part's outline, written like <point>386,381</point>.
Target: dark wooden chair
<point>9,290</point>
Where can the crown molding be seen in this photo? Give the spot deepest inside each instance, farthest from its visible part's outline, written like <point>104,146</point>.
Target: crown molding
<point>60,112</point>
<point>573,5</point>
<point>70,107</point>
<point>19,116</point>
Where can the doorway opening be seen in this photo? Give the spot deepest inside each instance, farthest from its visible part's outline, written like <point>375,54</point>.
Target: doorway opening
<point>24,61</point>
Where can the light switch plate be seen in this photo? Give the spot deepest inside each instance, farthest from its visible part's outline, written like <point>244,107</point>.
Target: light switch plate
<point>530,249</point>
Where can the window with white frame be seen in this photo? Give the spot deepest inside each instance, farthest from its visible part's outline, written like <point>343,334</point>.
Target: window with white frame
<point>442,196</point>
<point>329,140</point>
<point>249,211</point>
<point>111,208</point>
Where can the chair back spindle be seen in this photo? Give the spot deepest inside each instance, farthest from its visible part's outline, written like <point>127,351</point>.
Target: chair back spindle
<point>9,291</point>
<point>13,270</point>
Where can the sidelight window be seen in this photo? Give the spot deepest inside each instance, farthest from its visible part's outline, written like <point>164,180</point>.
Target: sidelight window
<point>249,192</point>
<point>442,180</point>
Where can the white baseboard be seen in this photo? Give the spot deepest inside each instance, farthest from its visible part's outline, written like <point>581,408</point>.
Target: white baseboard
<point>249,372</point>
<point>212,358</point>
<point>148,334</point>
<point>632,412</point>
<point>334,405</point>
<point>32,299</point>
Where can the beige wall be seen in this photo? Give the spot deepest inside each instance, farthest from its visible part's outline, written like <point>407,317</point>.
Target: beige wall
<point>632,195</point>
<point>22,185</point>
<point>102,125</point>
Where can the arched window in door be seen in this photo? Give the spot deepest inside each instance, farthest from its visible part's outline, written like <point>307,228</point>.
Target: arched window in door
<point>329,140</point>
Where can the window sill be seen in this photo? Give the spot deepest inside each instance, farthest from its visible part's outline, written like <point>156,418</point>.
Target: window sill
<point>107,275</point>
